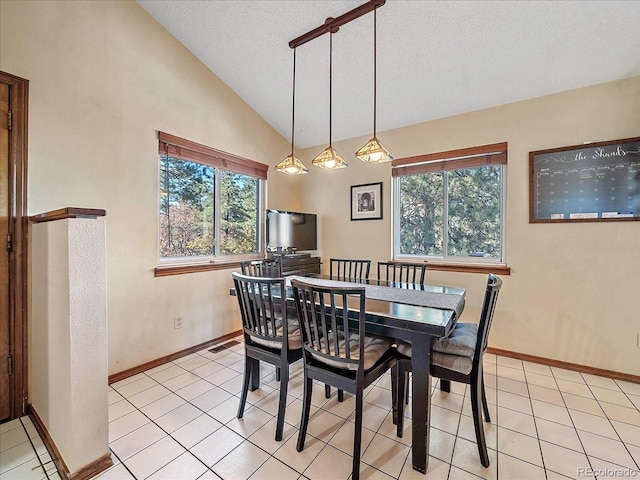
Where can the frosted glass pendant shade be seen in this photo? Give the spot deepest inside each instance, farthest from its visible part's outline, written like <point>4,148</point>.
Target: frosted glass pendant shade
<point>330,159</point>
<point>374,152</point>
<point>292,166</point>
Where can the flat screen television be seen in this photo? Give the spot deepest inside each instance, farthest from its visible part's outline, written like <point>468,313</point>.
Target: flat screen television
<point>291,231</point>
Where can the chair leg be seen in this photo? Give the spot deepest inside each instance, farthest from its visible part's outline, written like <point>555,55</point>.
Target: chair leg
<point>357,436</point>
<point>327,393</point>
<point>445,385</point>
<point>485,407</point>
<point>306,408</point>
<point>394,393</point>
<point>401,387</point>
<point>406,387</point>
<point>282,405</point>
<point>476,398</point>
<point>248,364</point>
<point>255,374</point>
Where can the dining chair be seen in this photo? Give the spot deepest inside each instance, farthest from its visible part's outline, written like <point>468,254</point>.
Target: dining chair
<point>349,268</point>
<point>410,273</point>
<point>262,268</point>
<point>269,335</point>
<point>337,352</point>
<point>458,358</point>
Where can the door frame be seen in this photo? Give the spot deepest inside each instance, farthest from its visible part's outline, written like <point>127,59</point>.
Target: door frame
<point>18,229</point>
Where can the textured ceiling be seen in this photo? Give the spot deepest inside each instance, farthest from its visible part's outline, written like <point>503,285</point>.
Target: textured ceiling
<point>435,58</point>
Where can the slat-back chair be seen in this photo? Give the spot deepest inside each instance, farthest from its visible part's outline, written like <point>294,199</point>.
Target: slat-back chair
<point>411,273</point>
<point>337,352</point>
<point>262,268</point>
<point>458,358</point>
<point>349,268</point>
<point>268,335</point>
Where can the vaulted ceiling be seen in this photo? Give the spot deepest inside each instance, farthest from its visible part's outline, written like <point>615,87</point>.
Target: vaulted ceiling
<point>435,58</point>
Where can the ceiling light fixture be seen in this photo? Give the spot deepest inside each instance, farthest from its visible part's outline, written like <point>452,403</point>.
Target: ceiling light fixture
<point>329,158</point>
<point>374,151</point>
<point>292,164</point>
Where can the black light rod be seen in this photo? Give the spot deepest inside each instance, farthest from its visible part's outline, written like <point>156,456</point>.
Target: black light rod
<point>332,24</point>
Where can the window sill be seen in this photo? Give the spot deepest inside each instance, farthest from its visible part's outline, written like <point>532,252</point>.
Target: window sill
<point>168,270</point>
<point>469,268</point>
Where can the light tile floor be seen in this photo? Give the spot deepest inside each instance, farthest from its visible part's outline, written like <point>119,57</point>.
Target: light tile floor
<point>178,421</point>
<point>23,455</point>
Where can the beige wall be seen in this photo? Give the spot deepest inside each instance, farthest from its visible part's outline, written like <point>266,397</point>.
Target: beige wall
<point>104,78</point>
<point>68,337</point>
<point>573,290</point>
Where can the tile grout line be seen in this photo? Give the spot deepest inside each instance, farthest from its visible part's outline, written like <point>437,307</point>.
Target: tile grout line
<point>36,451</point>
<point>612,426</point>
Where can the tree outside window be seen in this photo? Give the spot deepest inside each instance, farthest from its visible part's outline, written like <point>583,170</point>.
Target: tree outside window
<point>452,213</point>
<point>192,196</point>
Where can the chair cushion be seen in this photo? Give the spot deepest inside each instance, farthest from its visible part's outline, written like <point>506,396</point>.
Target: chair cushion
<point>374,349</point>
<point>454,352</point>
<point>457,363</point>
<point>295,336</point>
<point>462,341</point>
<point>404,348</point>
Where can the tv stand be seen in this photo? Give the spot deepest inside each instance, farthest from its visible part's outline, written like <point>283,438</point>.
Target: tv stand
<point>298,264</point>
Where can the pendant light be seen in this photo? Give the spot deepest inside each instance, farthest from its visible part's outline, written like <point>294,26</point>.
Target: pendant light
<point>330,159</point>
<point>374,151</point>
<point>292,164</point>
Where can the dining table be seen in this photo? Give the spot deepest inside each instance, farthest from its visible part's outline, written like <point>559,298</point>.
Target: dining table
<point>409,312</point>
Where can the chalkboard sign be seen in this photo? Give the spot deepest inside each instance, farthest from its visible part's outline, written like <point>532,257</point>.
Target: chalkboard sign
<point>595,182</point>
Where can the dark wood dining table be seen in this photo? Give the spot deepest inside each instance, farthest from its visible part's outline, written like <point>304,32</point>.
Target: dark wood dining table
<point>399,312</point>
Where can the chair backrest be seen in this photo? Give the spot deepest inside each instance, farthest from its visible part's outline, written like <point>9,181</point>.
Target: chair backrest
<point>326,332</point>
<point>348,268</point>
<point>486,316</point>
<point>262,308</point>
<point>262,268</point>
<point>402,272</point>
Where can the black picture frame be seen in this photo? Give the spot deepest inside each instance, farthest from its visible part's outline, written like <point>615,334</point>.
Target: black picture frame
<point>366,201</point>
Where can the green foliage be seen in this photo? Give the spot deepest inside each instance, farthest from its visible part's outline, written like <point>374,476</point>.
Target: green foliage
<point>473,213</point>
<point>187,210</point>
<point>238,213</point>
<point>421,214</point>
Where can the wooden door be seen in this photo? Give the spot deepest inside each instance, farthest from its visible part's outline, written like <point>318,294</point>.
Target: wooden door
<point>5,394</point>
<point>14,100</point>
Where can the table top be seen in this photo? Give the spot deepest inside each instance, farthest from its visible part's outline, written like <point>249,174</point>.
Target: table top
<point>399,309</point>
<point>402,306</point>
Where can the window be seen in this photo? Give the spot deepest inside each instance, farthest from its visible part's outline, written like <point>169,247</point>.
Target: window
<point>450,206</point>
<point>211,202</point>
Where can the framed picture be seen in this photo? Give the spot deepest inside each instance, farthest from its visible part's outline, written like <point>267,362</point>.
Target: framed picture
<point>366,201</point>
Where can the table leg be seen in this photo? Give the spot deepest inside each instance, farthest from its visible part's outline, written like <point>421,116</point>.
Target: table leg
<point>421,401</point>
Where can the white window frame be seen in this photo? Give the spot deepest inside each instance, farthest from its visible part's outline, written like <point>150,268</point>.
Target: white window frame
<point>447,259</point>
<point>219,160</point>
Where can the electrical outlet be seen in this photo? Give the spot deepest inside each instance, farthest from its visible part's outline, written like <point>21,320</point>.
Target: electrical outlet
<point>177,323</point>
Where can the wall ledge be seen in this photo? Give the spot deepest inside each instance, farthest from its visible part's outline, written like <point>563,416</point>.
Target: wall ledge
<point>67,212</point>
